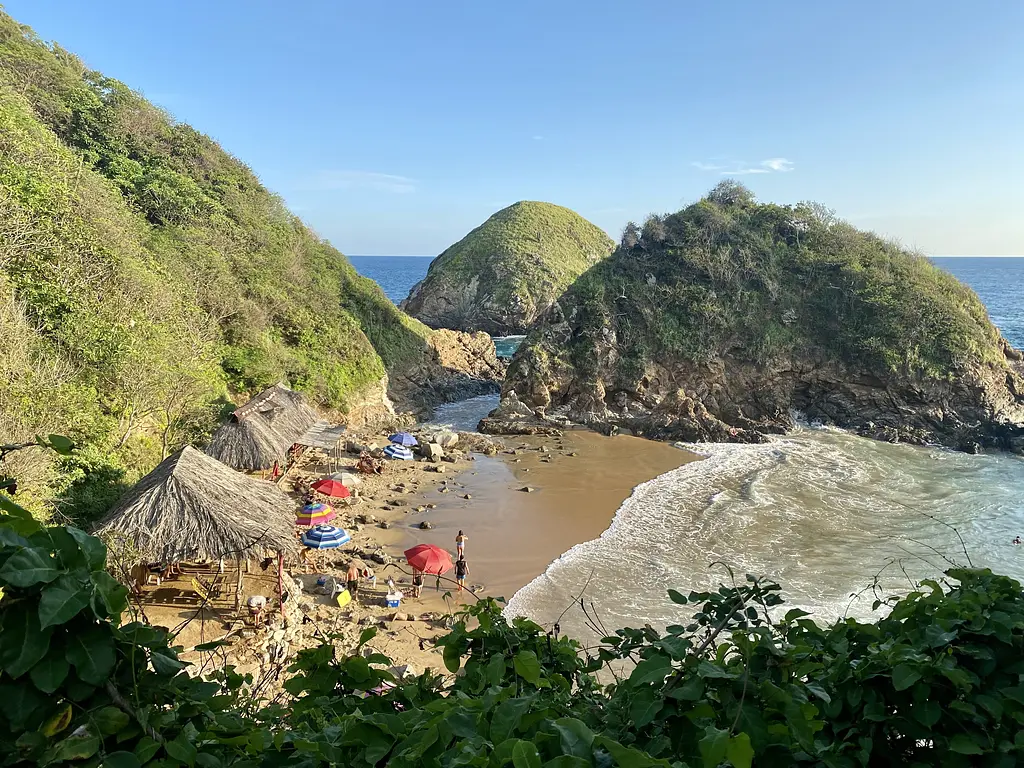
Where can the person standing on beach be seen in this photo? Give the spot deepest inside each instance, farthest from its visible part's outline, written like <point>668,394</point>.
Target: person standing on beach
<point>461,571</point>
<point>460,543</point>
<point>352,579</point>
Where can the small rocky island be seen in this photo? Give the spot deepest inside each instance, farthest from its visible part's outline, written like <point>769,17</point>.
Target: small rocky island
<point>501,276</point>
<point>723,320</point>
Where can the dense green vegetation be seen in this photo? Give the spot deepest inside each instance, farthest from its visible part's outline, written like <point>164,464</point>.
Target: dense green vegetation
<point>521,259</point>
<point>145,273</point>
<point>728,276</point>
<point>938,681</point>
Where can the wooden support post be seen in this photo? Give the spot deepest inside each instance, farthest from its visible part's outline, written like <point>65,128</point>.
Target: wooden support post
<point>280,580</point>
<point>238,585</point>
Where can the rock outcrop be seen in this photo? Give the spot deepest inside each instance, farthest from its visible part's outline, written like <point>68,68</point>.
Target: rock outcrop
<point>506,272</point>
<point>457,366</point>
<point>723,321</point>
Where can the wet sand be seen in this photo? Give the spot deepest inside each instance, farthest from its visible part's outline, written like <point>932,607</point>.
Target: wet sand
<point>513,535</point>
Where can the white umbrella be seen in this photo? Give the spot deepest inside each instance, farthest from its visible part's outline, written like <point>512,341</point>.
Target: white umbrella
<point>346,478</point>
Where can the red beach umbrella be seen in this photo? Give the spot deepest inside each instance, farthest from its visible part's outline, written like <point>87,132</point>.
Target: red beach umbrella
<point>333,488</point>
<point>429,559</point>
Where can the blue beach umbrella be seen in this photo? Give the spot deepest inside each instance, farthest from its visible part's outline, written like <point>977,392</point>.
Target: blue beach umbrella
<point>325,537</point>
<point>403,438</point>
<point>398,452</point>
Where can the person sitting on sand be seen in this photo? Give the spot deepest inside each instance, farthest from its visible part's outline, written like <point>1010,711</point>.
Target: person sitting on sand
<point>461,571</point>
<point>256,604</point>
<point>417,583</point>
<point>460,543</point>
<point>352,579</point>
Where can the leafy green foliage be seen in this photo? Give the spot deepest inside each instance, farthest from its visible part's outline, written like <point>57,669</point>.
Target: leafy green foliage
<point>729,277</point>
<point>520,260</point>
<point>143,271</point>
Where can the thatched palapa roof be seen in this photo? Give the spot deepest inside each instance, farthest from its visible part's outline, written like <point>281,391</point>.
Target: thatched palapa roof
<point>192,507</point>
<point>261,431</point>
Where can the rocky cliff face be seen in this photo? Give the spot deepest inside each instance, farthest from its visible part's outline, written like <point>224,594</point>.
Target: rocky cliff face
<point>506,272</point>
<point>721,321</point>
<point>457,366</point>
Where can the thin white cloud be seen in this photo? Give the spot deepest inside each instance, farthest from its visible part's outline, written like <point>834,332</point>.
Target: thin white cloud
<point>771,165</point>
<point>382,182</point>
<point>538,138</point>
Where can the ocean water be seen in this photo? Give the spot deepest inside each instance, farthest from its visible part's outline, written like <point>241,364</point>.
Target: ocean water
<point>836,519</point>
<point>398,274</point>
<point>395,274</point>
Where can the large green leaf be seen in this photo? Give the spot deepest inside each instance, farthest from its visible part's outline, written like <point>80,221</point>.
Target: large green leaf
<point>713,746</point>
<point>22,641</point>
<point>112,592</point>
<point>62,600</point>
<point>29,566</point>
<point>645,705</point>
<point>92,548</point>
<point>739,752</point>
<point>652,670</point>
<point>109,720</point>
<point>527,666</point>
<point>628,757</point>
<point>452,657</point>
<point>904,676</point>
<point>525,755</point>
<point>78,746</point>
<point>91,653</point>
<point>506,718</point>
<point>121,759</point>
<point>21,704</point>
<point>575,737</point>
<point>965,745</point>
<point>49,673</point>
<point>181,749</point>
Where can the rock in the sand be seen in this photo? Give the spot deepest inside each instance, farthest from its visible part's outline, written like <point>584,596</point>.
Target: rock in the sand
<point>445,439</point>
<point>449,458</point>
<point>467,496</point>
<point>442,490</point>
<point>398,502</point>
<point>432,451</point>
<point>400,617</point>
<point>527,489</point>
<point>384,524</point>
<point>431,506</point>
<point>426,525</point>
<point>436,468</point>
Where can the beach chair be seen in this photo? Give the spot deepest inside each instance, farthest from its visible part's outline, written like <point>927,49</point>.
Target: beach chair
<point>207,592</point>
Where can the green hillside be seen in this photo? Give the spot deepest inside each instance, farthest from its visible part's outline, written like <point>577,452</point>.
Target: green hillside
<point>145,272</point>
<point>717,321</point>
<point>501,276</point>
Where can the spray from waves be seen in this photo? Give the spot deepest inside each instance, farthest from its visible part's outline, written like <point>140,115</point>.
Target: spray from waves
<point>823,512</point>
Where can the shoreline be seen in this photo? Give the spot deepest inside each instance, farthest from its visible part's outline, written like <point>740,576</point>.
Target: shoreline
<point>579,481</point>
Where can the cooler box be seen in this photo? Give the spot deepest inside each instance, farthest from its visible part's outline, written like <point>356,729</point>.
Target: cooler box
<point>394,599</point>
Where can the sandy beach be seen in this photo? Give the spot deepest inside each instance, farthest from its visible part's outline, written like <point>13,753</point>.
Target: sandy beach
<point>576,482</point>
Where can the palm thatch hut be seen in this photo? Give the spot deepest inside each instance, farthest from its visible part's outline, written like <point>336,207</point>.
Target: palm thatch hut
<point>261,432</point>
<point>192,507</point>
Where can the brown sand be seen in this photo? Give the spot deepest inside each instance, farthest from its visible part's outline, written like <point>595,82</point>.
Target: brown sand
<point>579,482</point>
<point>513,535</point>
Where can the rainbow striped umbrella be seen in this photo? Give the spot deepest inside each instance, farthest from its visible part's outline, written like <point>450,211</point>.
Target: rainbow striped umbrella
<point>312,514</point>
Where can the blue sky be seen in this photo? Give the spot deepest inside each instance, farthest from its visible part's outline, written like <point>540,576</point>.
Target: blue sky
<point>394,128</point>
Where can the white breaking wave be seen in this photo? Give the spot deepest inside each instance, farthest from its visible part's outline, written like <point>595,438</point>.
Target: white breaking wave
<point>820,511</point>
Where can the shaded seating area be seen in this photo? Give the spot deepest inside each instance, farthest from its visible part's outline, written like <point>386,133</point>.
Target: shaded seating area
<point>196,513</point>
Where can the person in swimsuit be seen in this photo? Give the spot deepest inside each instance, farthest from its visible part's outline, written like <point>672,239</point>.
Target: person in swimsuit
<point>417,583</point>
<point>460,543</point>
<point>352,580</point>
<point>461,571</point>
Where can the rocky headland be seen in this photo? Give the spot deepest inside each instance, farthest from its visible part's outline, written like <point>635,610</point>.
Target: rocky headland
<point>505,273</point>
<point>723,321</point>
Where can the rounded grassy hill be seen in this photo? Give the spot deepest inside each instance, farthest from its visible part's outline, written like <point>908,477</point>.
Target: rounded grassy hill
<point>503,275</point>
<point>720,321</point>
